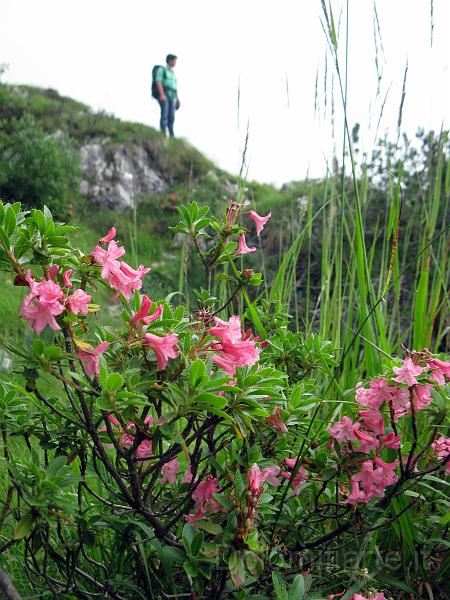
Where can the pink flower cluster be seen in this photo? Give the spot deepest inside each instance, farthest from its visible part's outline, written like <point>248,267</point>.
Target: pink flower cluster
<point>368,430</point>
<point>374,477</point>
<point>235,348</point>
<point>164,347</point>
<point>127,437</point>
<point>379,596</point>
<point>442,448</point>
<point>120,276</point>
<point>46,301</point>
<point>90,357</point>
<point>256,477</point>
<point>259,223</point>
<point>142,315</point>
<point>203,496</point>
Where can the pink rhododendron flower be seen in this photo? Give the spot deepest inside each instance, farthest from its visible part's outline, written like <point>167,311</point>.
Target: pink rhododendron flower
<point>90,357</point>
<point>53,271</point>
<point>255,479</point>
<point>271,475</point>
<point>374,477</point>
<point>187,477</point>
<point>391,441</point>
<point>164,347</point>
<point>400,402</point>
<point>367,442</point>
<point>379,596</point>
<point>242,246</point>
<point>344,430</point>
<point>440,370</point>
<point>407,372</point>
<point>109,236</point>
<point>235,349</point>
<point>276,421</point>
<point>373,397</point>
<point>204,499</point>
<point>42,304</point>
<point>299,479</point>
<point>141,315</point>
<point>259,221</point>
<point>169,471</point>
<point>108,258</point>
<point>66,277</point>
<point>78,302</point>
<point>372,420</point>
<point>442,448</point>
<point>127,280</point>
<point>422,396</point>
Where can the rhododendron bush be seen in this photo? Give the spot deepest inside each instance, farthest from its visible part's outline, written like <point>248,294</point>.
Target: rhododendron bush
<point>195,454</point>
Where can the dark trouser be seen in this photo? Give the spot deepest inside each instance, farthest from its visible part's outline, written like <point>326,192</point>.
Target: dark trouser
<point>167,115</point>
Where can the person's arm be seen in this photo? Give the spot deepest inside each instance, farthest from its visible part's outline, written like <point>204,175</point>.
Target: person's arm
<point>162,94</point>
<point>177,102</point>
<point>159,84</point>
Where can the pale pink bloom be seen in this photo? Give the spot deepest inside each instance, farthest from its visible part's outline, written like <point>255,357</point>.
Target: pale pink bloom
<point>440,370</point>
<point>109,236</point>
<point>442,448</point>
<point>169,471</point>
<point>344,430</point>
<point>422,396</point>
<point>203,497</point>
<point>164,347</point>
<point>374,477</point>
<point>235,349</point>
<point>391,441</point>
<point>242,246</point>
<point>187,477</point>
<point>145,308</point>
<point>367,442</point>
<point>271,475</point>
<point>42,304</point>
<point>259,221</point>
<point>229,332</point>
<point>290,462</point>
<point>298,481</point>
<point>90,357</point>
<point>372,420</point>
<point>400,402</point>
<point>127,280</point>
<point>78,302</point>
<point>113,420</point>
<point>276,421</point>
<point>373,397</point>
<point>66,276</point>
<point>407,372</point>
<point>379,596</point>
<point>108,258</point>
<point>255,479</point>
<point>145,448</point>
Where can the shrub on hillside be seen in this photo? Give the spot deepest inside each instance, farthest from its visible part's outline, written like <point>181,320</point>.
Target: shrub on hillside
<point>36,168</point>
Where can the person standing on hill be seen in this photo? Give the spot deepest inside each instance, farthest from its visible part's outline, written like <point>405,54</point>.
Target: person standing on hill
<point>166,84</point>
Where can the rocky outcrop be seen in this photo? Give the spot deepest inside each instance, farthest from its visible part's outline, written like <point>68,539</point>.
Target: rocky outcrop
<point>115,176</point>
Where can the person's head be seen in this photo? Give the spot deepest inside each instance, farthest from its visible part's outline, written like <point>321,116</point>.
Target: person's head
<point>171,60</point>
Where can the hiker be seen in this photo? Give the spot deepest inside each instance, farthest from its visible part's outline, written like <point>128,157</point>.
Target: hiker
<point>166,94</point>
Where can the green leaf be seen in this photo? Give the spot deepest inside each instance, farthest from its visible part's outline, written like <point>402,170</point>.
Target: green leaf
<point>209,526</point>
<point>197,373</point>
<point>24,527</point>
<point>114,381</point>
<point>254,564</point>
<point>279,588</point>
<point>4,238</point>
<point>56,464</point>
<point>237,569</point>
<point>394,583</point>
<point>39,220</point>
<point>187,536</point>
<point>53,353</point>
<point>211,399</point>
<point>9,223</point>
<point>196,543</point>
<point>297,590</point>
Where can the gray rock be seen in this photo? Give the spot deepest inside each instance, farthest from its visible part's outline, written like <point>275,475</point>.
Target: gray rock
<point>114,177</point>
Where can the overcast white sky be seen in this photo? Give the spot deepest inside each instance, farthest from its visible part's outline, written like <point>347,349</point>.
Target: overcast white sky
<point>101,52</point>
